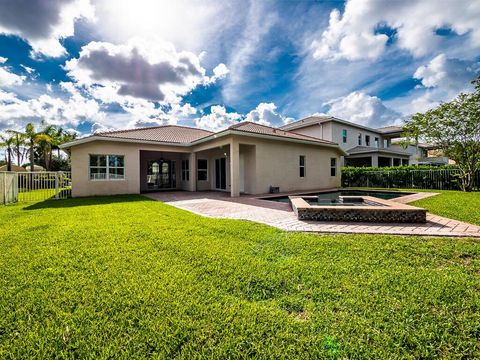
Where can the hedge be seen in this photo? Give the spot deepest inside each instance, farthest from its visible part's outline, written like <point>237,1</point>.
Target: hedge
<point>420,177</point>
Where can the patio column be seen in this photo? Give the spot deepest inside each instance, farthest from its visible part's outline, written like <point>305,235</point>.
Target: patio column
<point>234,168</point>
<point>192,185</point>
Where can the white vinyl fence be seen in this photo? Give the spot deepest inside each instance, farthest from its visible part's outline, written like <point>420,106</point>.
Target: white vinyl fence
<point>34,186</point>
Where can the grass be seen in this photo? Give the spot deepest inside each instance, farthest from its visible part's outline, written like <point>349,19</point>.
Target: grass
<point>43,194</point>
<point>454,204</point>
<point>128,277</point>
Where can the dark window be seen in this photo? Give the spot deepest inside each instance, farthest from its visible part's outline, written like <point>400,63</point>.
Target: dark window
<point>302,165</point>
<point>202,170</point>
<point>185,170</point>
<point>333,167</point>
<point>367,140</point>
<point>377,143</point>
<point>359,139</point>
<point>344,135</point>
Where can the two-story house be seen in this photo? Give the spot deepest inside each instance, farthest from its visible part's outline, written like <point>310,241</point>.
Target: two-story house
<point>364,145</point>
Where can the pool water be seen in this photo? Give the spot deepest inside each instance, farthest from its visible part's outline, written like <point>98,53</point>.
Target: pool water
<point>334,195</point>
<point>340,201</point>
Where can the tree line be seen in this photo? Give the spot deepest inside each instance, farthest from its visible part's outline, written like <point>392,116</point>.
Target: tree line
<point>38,147</point>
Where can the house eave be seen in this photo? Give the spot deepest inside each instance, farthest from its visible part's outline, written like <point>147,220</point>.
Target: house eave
<point>267,137</point>
<point>202,140</point>
<point>379,152</point>
<point>118,139</point>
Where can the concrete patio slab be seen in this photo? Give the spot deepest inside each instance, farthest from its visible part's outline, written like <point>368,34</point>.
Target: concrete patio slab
<point>281,216</point>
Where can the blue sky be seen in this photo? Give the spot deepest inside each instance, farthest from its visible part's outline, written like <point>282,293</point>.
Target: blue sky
<point>93,65</point>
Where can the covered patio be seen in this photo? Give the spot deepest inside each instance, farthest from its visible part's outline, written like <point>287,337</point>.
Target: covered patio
<point>225,166</point>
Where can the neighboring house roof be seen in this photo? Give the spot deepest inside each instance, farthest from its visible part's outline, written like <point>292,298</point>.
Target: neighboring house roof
<point>390,129</point>
<point>15,168</point>
<point>166,133</point>
<point>438,160</point>
<point>251,127</point>
<point>420,145</point>
<point>319,119</point>
<point>368,150</point>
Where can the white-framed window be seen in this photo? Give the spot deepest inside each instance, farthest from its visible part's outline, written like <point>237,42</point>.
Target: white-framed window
<point>367,140</point>
<point>333,167</point>
<point>107,167</point>
<point>385,143</point>
<point>344,136</point>
<point>302,166</point>
<point>185,170</point>
<point>359,138</point>
<point>202,170</point>
<point>377,142</point>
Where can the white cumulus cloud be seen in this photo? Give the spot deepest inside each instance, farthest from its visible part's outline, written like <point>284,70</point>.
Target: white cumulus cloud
<point>150,70</point>
<point>266,114</point>
<point>8,78</point>
<point>363,109</point>
<point>447,73</point>
<point>355,34</point>
<point>218,119</point>
<point>43,23</point>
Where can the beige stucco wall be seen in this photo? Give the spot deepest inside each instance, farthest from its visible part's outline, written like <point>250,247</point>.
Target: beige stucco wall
<point>263,163</point>
<point>83,186</point>
<point>321,131</point>
<point>277,164</point>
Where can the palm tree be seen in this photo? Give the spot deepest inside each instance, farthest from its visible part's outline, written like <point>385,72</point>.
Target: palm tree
<point>8,143</point>
<point>18,146</point>
<point>33,138</point>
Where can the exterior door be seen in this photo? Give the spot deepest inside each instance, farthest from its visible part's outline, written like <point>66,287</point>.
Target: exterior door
<point>220,174</point>
<point>161,175</point>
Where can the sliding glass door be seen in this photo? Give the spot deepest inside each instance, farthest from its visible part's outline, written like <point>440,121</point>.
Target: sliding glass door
<point>161,175</point>
<point>220,174</point>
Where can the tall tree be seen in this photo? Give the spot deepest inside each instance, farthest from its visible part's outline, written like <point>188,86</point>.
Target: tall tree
<point>7,143</point>
<point>18,146</point>
<point>33,138</point>
<point>454,127</point>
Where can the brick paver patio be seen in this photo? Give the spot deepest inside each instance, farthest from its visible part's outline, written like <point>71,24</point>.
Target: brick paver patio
<point>281,216</point>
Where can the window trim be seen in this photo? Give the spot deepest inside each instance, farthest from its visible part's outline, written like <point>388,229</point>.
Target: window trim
<point>333,168</point>
<point>199,169</point>
<point>304,166</point>
<point>106,167</point>
<point>185,170</point>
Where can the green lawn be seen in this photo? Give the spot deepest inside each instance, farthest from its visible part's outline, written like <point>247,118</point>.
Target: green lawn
<point>129,277</point>
<point>457,205</point>
<point>454,204</point>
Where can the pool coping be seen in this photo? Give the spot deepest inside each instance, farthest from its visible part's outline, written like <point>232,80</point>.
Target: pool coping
<point>270,196</point>
<point>385,211</point>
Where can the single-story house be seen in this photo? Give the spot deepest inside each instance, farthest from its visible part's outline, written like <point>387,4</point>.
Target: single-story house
<point>245,158</point>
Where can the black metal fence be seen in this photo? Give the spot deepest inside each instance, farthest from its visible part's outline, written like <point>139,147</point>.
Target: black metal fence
<point>438,179</point>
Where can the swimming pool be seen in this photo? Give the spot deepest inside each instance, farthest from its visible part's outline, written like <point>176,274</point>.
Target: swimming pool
<point>381,194</point>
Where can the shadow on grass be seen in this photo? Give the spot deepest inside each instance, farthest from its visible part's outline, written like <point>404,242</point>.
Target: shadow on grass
<point>87,201</point>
